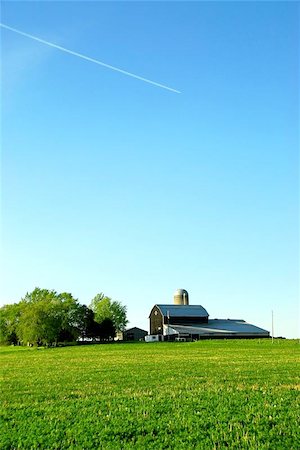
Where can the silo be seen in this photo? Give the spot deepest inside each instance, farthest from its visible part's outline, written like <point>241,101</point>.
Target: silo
<point>181,297</point>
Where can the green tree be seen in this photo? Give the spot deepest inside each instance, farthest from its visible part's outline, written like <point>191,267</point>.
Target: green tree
<point>107,329</point>
<point>47,317</point>
<point>41,317</point>
<point>9,318</point>
<point>71,317</point>
<point>106,308</point>
<point>40,323</point>
<point>86,325</point>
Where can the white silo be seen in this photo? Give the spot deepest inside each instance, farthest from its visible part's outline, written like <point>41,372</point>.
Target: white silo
<point>181,297</point>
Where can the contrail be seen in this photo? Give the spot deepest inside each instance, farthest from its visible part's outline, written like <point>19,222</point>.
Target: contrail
<point>87,58</point>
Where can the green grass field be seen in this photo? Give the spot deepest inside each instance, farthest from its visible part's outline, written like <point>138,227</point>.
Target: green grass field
<point>201,395</point>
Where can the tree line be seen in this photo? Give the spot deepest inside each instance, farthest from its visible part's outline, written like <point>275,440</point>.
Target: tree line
<point>45,317</point>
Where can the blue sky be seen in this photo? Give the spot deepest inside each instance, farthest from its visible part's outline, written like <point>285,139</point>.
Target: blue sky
<point>110,184</point>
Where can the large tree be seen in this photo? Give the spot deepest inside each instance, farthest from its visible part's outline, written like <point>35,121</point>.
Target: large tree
<point>9,318</point>
<point>47,317</point>
<point>106,308</point>
<point>86,325</point>
<point>107,330</point>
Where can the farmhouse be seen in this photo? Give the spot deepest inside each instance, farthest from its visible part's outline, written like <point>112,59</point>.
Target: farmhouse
<point>182,321</point>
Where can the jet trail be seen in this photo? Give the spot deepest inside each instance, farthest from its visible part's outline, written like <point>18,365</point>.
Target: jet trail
<point>87,58</point>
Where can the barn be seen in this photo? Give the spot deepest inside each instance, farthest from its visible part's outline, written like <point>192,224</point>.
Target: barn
<point>182,321</point>
<point>134,334</point>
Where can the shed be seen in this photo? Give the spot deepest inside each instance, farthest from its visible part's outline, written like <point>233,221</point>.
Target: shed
<point>134,334</point>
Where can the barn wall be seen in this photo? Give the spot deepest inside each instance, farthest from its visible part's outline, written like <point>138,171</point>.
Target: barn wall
<point>156,321</point>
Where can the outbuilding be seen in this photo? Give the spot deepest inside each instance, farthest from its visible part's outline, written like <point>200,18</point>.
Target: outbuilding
<point>134,334</point>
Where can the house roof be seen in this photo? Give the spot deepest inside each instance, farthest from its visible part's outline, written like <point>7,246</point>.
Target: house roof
<point>182,310</point>
<point>218,327</point>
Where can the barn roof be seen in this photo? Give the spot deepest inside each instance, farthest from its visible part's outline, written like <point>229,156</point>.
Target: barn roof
<point>219,327</point>
<point>135,329</point>
<point>183,310</point>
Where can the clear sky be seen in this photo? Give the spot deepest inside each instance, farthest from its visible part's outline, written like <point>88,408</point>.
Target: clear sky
<point>110,184</point>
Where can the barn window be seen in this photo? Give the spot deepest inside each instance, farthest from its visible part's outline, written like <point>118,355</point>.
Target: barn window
<point>155,313</point>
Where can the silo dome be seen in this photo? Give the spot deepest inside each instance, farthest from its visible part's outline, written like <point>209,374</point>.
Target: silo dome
<point>181,297</point>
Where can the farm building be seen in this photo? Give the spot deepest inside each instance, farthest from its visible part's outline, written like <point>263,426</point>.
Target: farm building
<point>134,334</point>
<point>184,321</point>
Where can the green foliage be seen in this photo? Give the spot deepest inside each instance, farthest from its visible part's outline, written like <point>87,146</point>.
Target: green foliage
<point>85,322</point>
<point>47,315</point>
<point>43,317</point>
<point>9,318</point>
<point>201,395</point>
<point>106,308</point>
<point>107,329</point>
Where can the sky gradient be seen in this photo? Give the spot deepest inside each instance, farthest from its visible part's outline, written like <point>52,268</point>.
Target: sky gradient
<point>110,184</point>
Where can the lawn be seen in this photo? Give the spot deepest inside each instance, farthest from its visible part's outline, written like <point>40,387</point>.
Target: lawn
<point>201,395</point>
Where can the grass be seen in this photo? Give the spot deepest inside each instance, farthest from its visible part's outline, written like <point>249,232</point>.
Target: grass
<point>200,395</point>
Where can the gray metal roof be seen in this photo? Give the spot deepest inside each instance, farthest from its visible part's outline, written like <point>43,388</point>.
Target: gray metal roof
<point>135,328</point>
<point>218,327</point>
<point>183,310</point>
